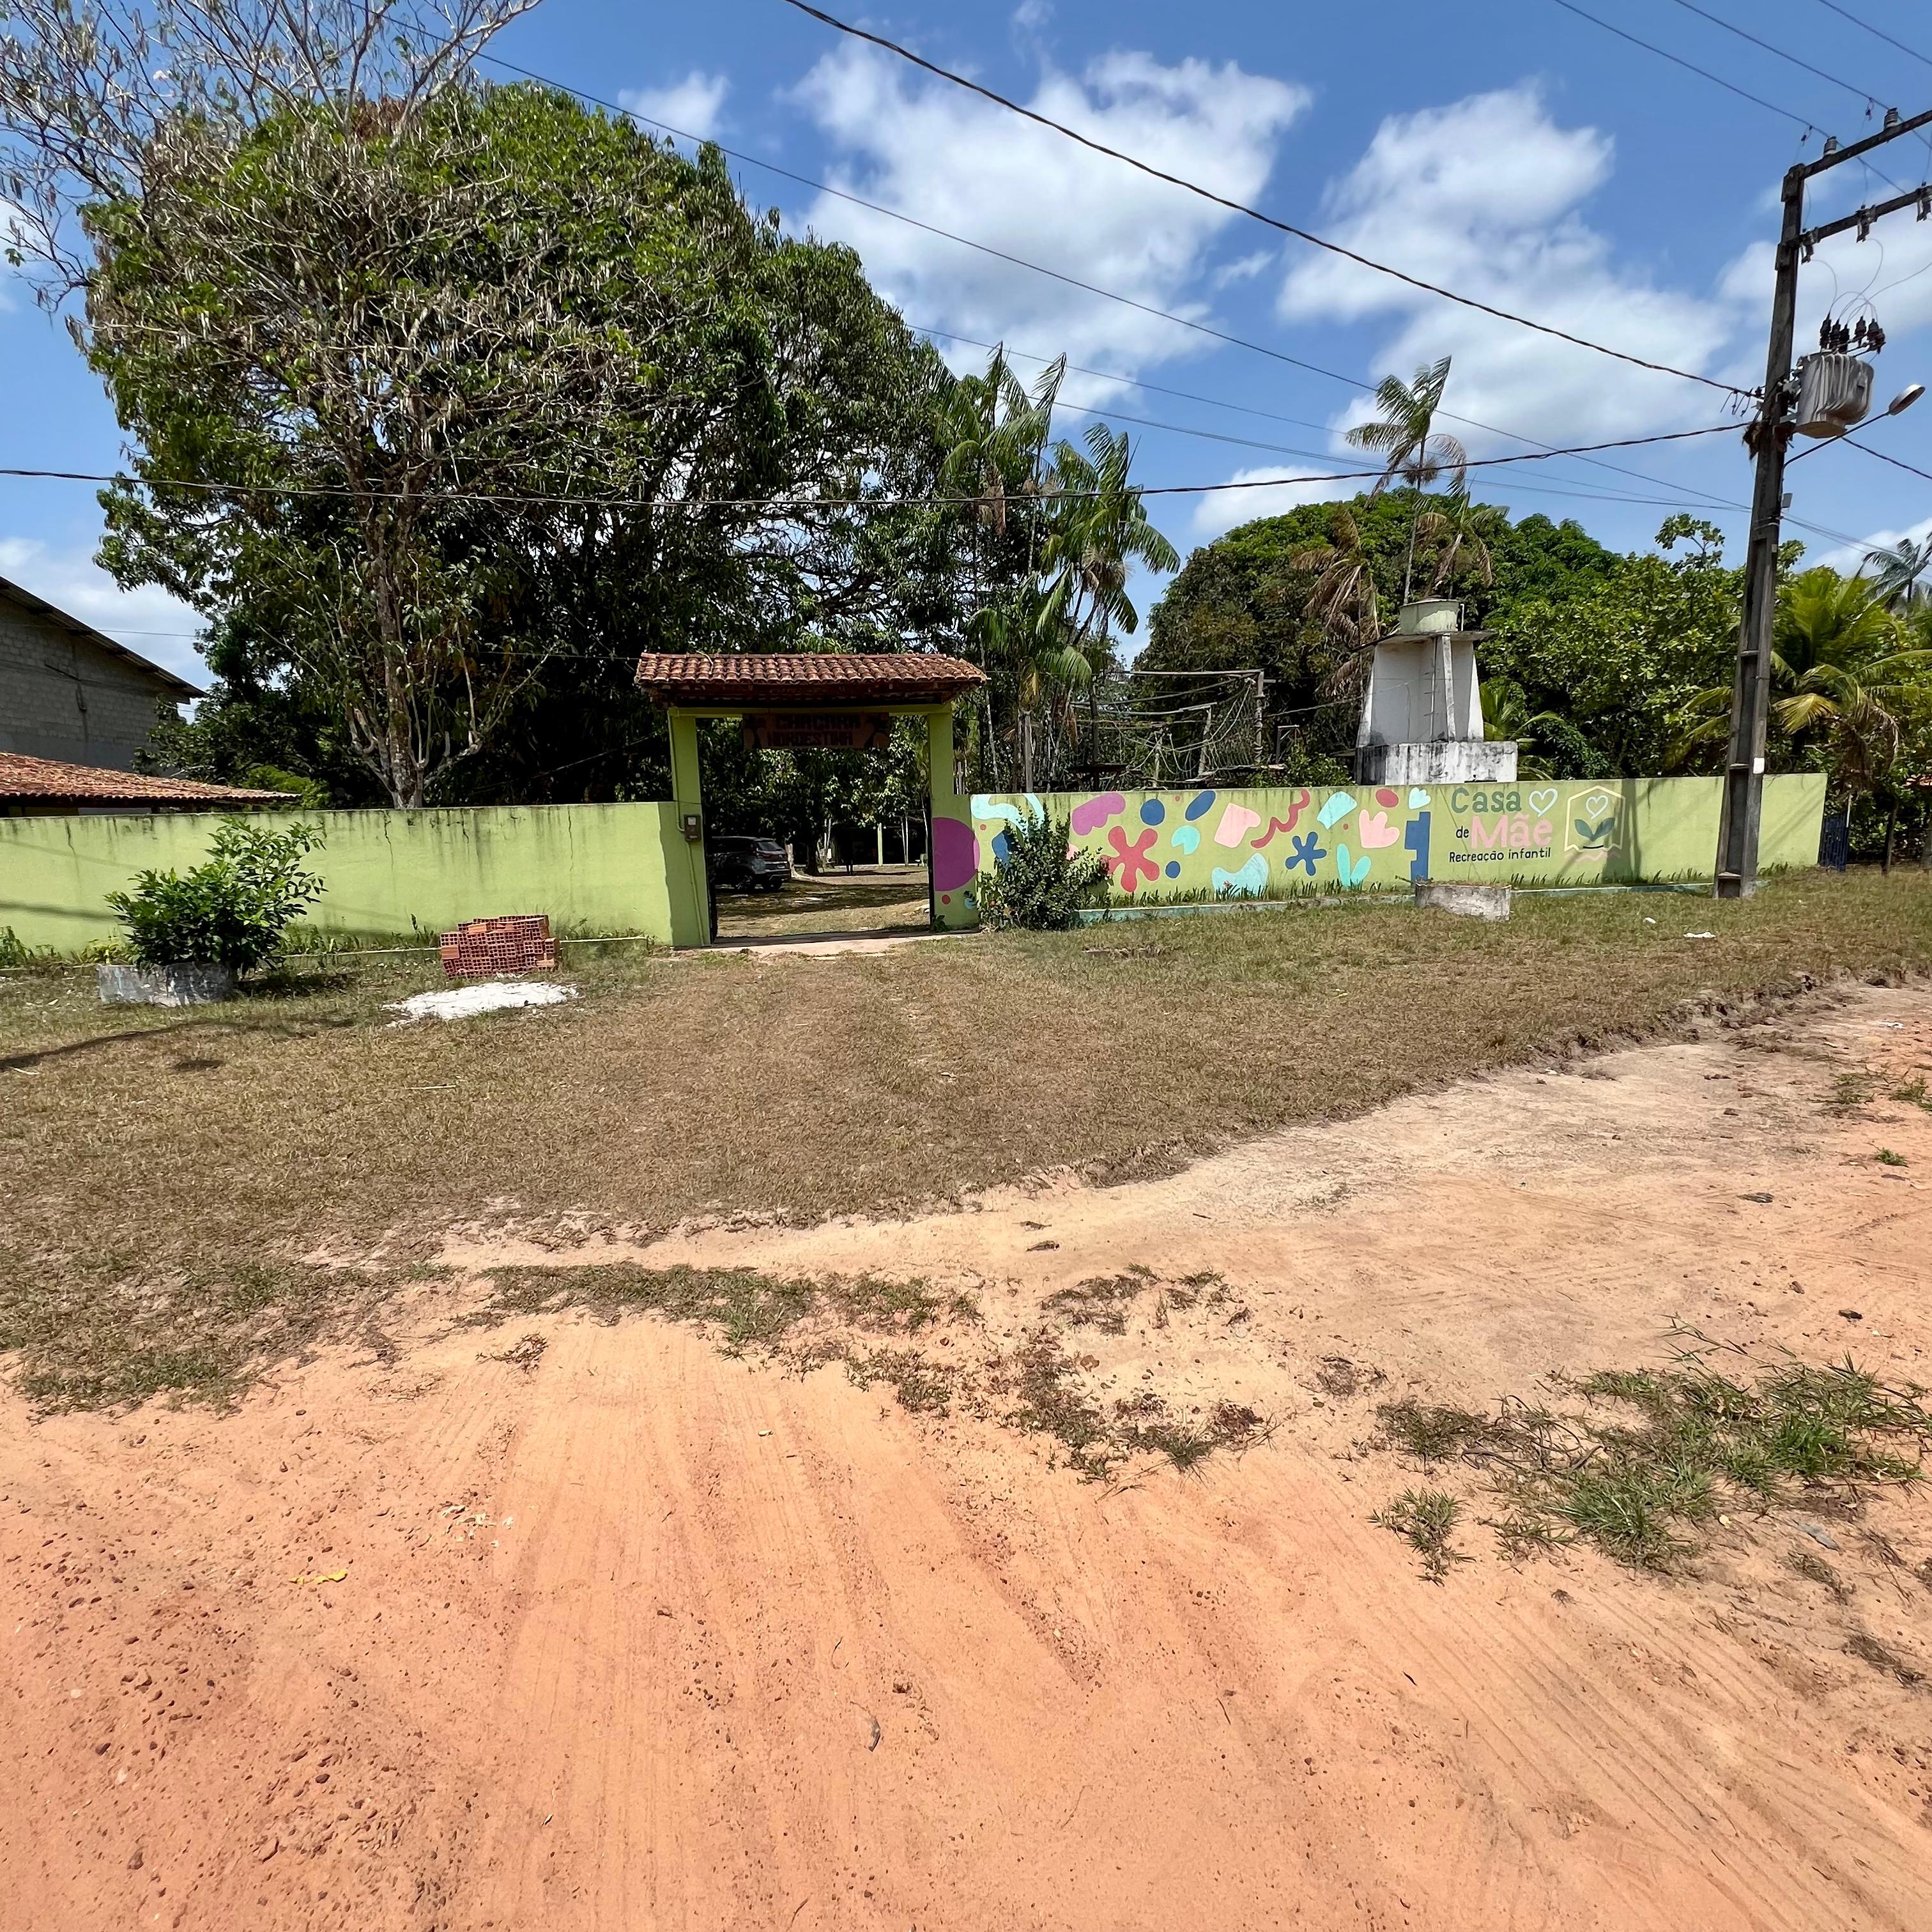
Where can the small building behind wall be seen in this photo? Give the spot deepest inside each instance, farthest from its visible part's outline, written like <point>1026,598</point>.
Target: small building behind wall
<point>69,692</point>
<point>49,788</point>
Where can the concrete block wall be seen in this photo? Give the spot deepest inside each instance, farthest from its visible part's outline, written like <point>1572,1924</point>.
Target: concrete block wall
<point>62,696</point>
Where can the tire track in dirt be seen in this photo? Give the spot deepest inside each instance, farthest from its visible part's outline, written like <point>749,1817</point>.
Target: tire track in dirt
<point>1223,1699</point>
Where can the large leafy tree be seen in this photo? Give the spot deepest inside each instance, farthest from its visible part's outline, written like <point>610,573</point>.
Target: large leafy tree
<point>1619,653</point>
<point>1252,599</point>
<point>448,399</point>
<point>1847,679</point>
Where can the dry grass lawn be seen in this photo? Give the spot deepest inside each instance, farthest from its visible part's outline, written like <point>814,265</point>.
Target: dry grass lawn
<point>174,1181</point>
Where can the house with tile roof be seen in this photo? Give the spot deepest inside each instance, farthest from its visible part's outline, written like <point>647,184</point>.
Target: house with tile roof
<point>38,787</point>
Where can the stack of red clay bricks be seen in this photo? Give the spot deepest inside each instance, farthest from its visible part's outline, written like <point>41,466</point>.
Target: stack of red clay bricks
<point>513,944</point>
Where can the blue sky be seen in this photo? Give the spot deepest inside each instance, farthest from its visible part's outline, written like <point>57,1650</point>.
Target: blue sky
<point>1506,148</point>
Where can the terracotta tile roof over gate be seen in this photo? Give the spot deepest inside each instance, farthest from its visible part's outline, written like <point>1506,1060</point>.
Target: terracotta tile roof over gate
<point>25,780</point>
<point>805,678</point>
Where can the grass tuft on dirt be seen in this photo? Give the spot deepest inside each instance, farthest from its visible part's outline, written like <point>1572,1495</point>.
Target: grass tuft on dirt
<point>1040,1393</point>
<point>110,1330</point>
<point>1426,1519</point>
<point>746,1308</point>
<point>1647,1464</point>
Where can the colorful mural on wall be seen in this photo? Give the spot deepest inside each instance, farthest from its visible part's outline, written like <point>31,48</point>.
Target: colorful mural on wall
<point>1206,843</point>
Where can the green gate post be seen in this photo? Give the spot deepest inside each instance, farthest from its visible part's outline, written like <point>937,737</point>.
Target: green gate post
<point>687,794</point>
<point>952,860</point>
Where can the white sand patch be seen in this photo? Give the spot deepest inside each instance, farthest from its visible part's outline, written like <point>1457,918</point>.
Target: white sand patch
<point>492,996</point>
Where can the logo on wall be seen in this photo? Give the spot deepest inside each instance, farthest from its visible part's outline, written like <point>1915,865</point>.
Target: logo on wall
<point>1594,825</point>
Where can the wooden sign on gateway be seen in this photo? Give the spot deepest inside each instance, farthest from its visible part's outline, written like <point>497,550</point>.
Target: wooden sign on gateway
<point>817,731</point>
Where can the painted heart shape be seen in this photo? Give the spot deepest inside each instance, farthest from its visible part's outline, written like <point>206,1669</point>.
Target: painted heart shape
<point>1376,831</point>
<point>1597,806</point>
<point>1237,822</point>
<point>1541,802</point>
<point>1418,799</point>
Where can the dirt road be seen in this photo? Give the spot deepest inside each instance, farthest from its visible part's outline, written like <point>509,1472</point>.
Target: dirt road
<point>620,1632</point>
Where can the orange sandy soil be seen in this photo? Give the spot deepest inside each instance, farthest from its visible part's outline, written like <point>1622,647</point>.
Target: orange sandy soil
<point>647,1637</point>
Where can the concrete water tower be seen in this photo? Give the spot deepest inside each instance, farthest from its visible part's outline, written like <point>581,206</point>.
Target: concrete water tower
<point>1422,717</point>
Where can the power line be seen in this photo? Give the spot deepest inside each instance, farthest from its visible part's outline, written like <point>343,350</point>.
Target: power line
<point>1691,66</point>
<point>1255,214</point>
<point>1153,388</point>
<point>508,500</point>
<point>1706,498</point>
<point>1071,281</point>
<point>1730,87</point>
<point>1897,463</point>
<point>1845,13</point>
<point>1864,94</point>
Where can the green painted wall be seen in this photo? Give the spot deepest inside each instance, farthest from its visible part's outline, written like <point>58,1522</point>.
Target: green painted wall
<point>609,868</point>
<point>1266,843</point>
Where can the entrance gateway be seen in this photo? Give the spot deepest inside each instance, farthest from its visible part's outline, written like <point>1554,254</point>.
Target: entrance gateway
<point>790,701</point>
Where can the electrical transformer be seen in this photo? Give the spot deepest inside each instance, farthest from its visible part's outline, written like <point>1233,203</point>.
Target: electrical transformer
<point>1834,391</point>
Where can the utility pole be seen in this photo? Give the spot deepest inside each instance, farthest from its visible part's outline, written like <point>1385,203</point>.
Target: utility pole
<point>1736,871</point>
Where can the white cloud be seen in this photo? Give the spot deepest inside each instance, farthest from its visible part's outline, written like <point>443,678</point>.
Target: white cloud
<point>147,620</point>
<point>694,106</point>
<point>1263,495</point>
<point>1245,270</point>
<point>1031,17</point>
<point>1887,275</point>
<point>1483,196</point>
<point>966,165</point>
<point>1850,558</point>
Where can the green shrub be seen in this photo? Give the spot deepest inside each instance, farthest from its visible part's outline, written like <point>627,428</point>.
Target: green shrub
<point>232,910</point>
<point>1043,884</point>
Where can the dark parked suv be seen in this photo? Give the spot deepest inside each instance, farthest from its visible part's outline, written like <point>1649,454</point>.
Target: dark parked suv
<point>749,865</point>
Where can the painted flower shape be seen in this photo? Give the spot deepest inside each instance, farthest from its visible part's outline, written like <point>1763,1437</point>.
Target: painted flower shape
<point>1130,861</point>
<point>1306,852</point>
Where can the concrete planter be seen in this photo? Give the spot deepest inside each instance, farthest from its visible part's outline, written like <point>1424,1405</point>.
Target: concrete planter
<point>1490,902</point>
<point>187,984</point>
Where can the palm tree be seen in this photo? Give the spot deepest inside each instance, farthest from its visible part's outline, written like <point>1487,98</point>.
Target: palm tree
<point>1098,530</point>
<point>1405,434</point>
<point>1343,600</point>
<point>1463,533</point>
<point>1899,570</point>
<point>1506,717</point>
<point>1844,670</point>
<point>998,431</point>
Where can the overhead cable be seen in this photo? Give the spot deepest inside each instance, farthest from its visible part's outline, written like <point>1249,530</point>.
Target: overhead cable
<point>1845,13</point>
<point>1897,463</point>
<point>1864,94</point>
<point>1810,126</point>
<point>1072,281</point>
<point>1677,60</point>
<point>513,500</point>
<point>1255,214</point>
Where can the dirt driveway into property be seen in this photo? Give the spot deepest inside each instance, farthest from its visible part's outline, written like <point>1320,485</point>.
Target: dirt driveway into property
<point>571,1622</point>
